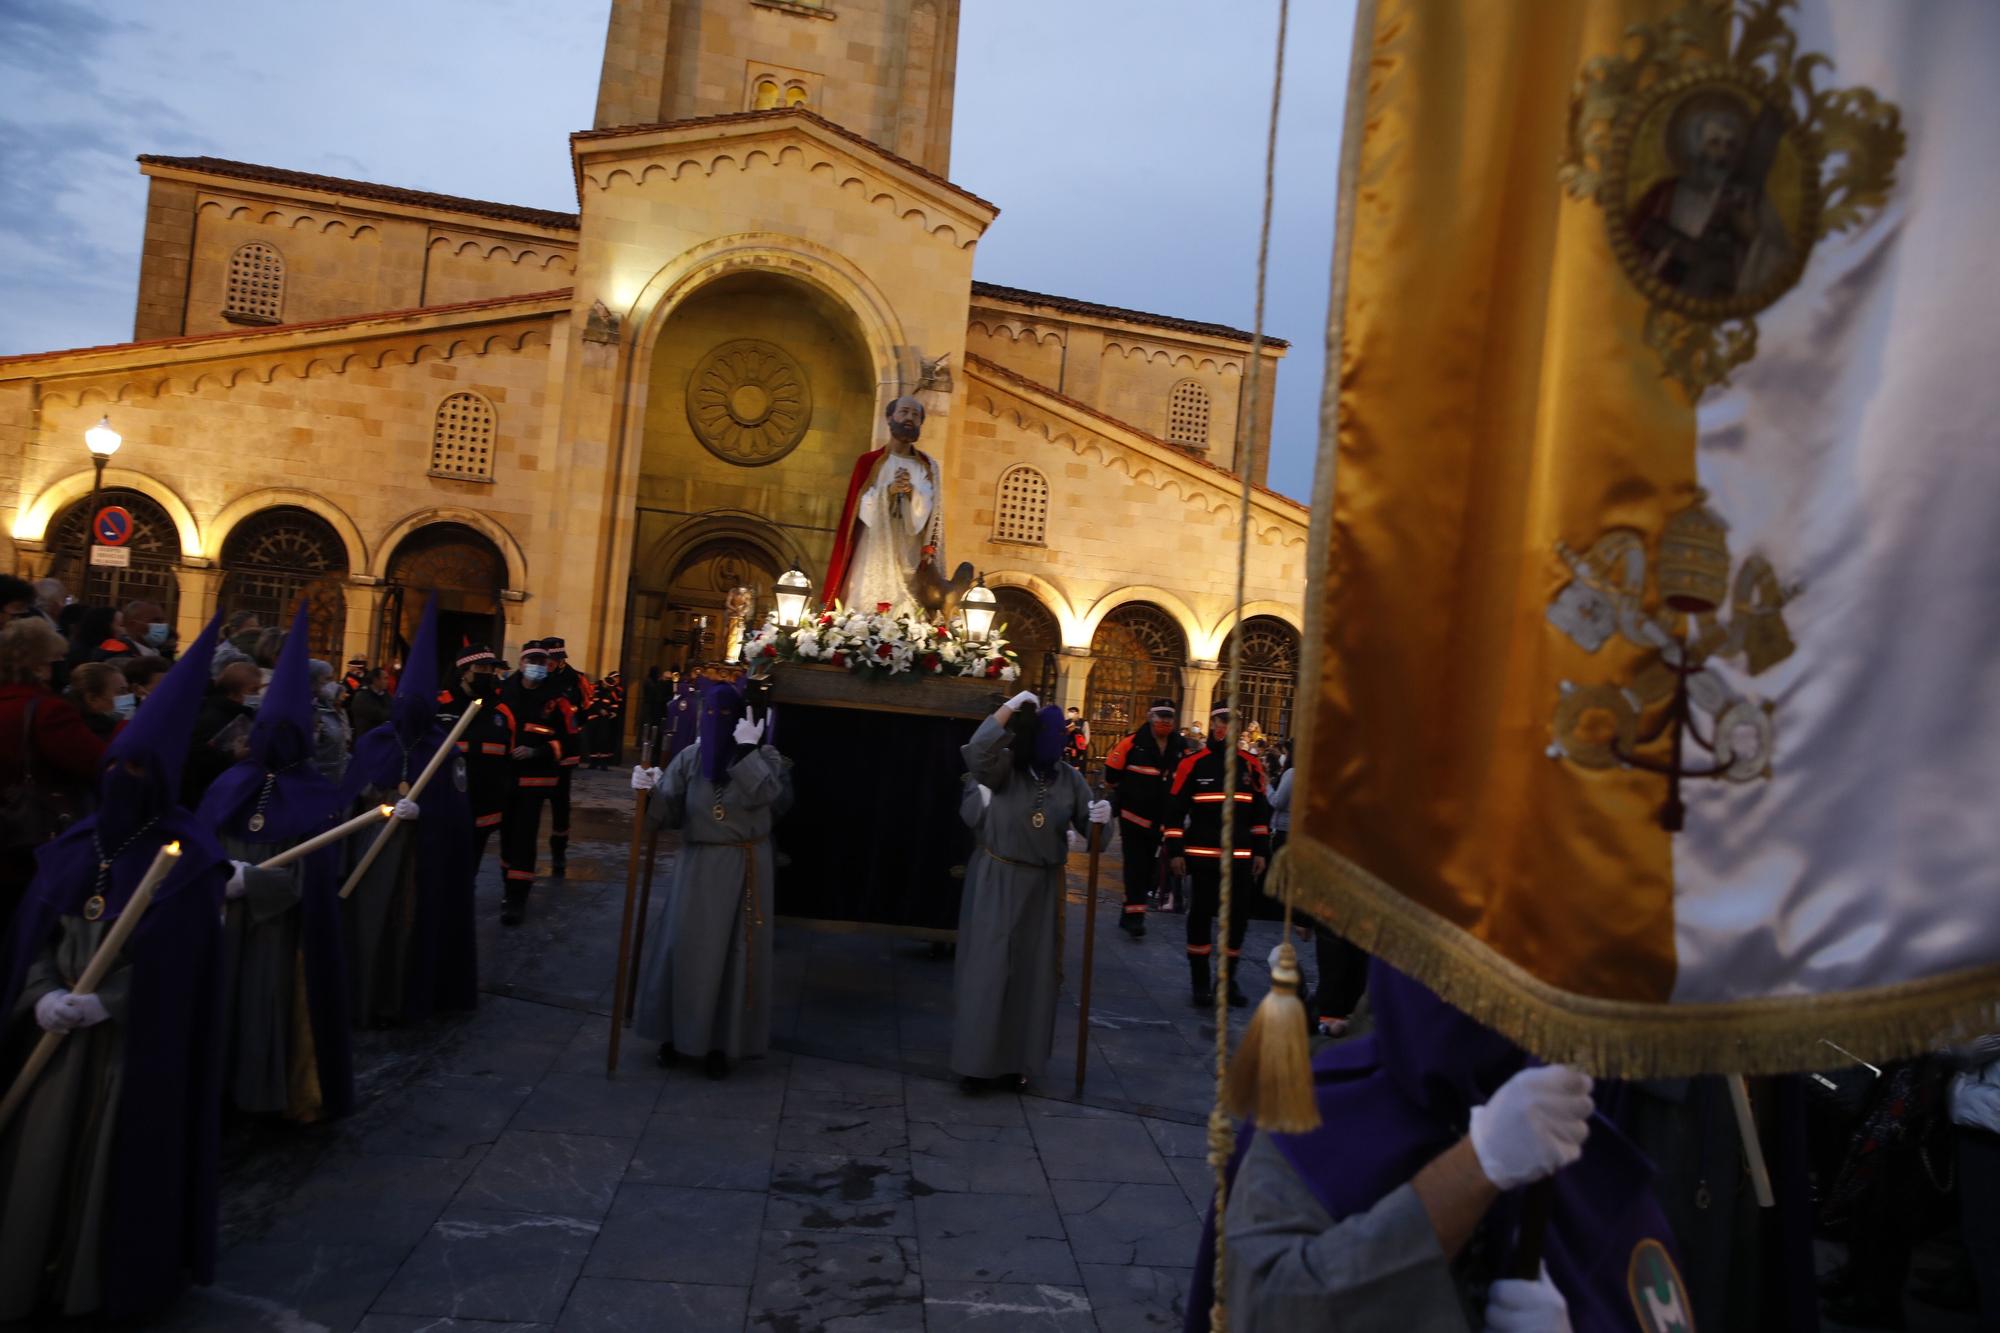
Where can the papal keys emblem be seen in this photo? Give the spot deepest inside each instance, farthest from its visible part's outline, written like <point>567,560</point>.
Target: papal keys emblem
<point>1672,715</point>
<point>1719,163</point>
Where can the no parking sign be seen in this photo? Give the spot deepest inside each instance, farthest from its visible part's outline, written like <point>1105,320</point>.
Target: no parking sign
<point>114,526</point>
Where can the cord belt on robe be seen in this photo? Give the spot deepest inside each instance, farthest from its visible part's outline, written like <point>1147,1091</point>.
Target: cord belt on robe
<point>1025,865</point>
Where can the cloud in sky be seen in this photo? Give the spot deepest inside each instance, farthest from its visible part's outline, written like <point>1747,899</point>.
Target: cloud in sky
<point>1123,140</point>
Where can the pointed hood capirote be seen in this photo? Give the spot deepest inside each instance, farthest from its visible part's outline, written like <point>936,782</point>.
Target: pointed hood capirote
<point>722,707</point>
<point>275,795</point>
<point>141,775</point>
<point>396,751</point>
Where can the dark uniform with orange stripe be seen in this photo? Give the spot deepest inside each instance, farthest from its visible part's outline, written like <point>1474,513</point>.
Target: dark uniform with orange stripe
<point>486,745</point>
<point>1139,770</point>
<point>539,721</point>
<point>601,718</point>
<point>1194,830</point>
<point>567,681</point>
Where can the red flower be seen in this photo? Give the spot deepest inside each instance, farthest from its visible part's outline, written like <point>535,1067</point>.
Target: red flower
<point>840,659</point>
<point>993,668</point>
<point>826,619</point>
<point>930,661</point>
<point>770,650</point>
<point>885,651</point>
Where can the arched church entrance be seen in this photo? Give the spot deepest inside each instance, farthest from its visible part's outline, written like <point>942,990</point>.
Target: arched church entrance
<point>278,555</point>
<point>1270,674</point>
<point>466,571</point>
<point>155,548</point>
<point>1136,657</point>
<point>760,395</point>
<point>1033,635</point>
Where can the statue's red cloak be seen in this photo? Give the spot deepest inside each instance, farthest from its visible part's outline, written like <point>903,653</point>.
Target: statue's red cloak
<point>849,530</point>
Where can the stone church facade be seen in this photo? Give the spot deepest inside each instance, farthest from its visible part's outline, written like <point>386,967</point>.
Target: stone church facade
<point>595,424</point>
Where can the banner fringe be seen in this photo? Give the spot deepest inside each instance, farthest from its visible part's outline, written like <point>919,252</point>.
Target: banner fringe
<point>1626,1038</point>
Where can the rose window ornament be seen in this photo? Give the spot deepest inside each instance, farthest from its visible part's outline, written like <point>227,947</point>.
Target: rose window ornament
<point>749,402</point>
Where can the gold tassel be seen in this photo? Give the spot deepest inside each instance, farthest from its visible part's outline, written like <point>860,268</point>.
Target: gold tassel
<point>1271,1076</point>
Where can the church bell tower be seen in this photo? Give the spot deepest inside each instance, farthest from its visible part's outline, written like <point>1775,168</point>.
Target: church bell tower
<point>881,68</point>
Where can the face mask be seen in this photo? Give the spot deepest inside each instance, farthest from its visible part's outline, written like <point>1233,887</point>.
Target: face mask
<point>482,686</point>
<point>156,633</point>
<point>125,705</point>
<point>534,675</point>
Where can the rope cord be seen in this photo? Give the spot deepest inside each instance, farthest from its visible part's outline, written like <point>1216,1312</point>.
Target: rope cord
<point>1221,1135</point>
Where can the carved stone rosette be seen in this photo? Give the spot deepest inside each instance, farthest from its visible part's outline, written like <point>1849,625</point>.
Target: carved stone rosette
<point>749,402</point>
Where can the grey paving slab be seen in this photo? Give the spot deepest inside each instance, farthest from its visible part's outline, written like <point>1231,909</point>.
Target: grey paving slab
<point>1112,1223</point>
<point>1197,1181</point>
<point>860,1131</point>
<point>1175,1139</point>
<point>425,1323</point>
<point>571,1174</point>
<point>707,1151</point>
<point>755,1089</point>
<point>358,1199</point>
<point>444,1117</point>
<point>261,1286</point>
<point>669,1233</point>
<point>589,1104</point>
<point>817,1192</point>
<point>836,1283</point>
<point>613,1305</point>
<point>479,1263</point>
<point>1134,1298</point>
<point>1098,1148</point>
<point>951,1306</point>
<point>984,1238</point>
<point>819,1084</point>
<point>941,1102</point>
<point>969,1158</point>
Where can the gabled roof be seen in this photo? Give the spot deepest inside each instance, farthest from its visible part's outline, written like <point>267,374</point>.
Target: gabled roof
<point>1035,388</point>
<point>394,194</point>
<point>780,113</point>
<point>306,326</point>
<point>1070,306</point>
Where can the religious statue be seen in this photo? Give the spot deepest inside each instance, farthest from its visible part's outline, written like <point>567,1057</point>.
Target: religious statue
<point>887,549</point>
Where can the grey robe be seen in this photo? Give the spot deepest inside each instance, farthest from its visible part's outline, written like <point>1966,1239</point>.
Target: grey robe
<point>1005,982</point>
<point>55,1153</point>
<point>1292,1269</point>
<point>381,912</point>
<point>705,983</point>
<point>269,1037</point>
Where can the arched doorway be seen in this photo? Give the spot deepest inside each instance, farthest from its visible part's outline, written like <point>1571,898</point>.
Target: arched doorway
<point>1270,674</point>
<point>694,616</point>
<point>1136,657</point>
<point>155,548</point>
<point>466,571</point>
<point>278,555</point>
<point>1033,635</point>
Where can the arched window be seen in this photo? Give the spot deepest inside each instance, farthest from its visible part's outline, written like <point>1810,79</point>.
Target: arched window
<point>465,570</point>
<point>462,438</point>
<point>796,94</point>
<point>1032,633</point>
<point>256,290</point>
<point>1270,673</point>
<point>278,555</point>
<point>766,95</point>
<point>1136,657</point>
<point>1021,514</point>
<point>155,546</point>
<point>1187,415</point>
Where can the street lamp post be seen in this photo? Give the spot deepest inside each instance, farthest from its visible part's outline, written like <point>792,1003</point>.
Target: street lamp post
<point>102,441</point>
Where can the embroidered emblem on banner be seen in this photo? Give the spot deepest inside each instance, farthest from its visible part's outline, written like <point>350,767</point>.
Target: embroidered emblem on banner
<point>1719,164</point>
<point>1659,1297</point>
<point>1672,700</point>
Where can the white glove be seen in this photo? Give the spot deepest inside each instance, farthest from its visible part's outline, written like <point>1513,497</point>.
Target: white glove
<point>51,1014</point>
<point>748,732</point>
<point>407,809</point>
<point>84,1011</point>
<point>1534,1126</point>
<point>1025,699</point>
<point>1100,812</point>
<point>1515,1305</point>
<point>643,778</point>
<point>236,888</point>
<point>985,796</point>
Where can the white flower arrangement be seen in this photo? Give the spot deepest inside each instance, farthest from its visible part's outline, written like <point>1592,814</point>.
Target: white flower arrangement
<point>881,645</point>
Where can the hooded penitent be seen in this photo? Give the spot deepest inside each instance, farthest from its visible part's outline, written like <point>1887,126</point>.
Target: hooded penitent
<point>1038,737</point>
<point>274,798</point>
<point>160,1220</point>
<point>1397,1098</point>
<point>722,707</point>
<point>443,968</point>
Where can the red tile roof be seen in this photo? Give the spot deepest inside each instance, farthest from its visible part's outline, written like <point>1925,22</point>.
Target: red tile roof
<point>306,180</point>
<point>1071,306</point>
<point>186,339</point>
<point>974,361</point>
<point>780,113</point>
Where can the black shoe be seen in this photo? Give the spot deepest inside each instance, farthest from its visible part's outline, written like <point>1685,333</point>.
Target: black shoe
<point>1237,999</point>
<point>1202,997</point>
<point>559,865</point>
<point>1134,924</point>
<point>716,1066</point>
<point>667,1057</point>
<point>513,909</point>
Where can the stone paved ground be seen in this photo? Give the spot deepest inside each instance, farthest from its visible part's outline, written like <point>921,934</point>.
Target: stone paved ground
<point>494,1179</point>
